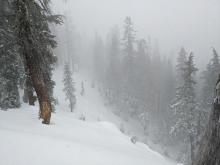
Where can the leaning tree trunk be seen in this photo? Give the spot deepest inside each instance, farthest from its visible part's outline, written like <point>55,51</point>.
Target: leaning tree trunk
<point>209,151</point>
<point>32,59</point>
<point>41,89</point>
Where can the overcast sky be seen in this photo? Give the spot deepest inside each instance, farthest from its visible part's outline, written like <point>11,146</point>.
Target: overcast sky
<point>194,24</point>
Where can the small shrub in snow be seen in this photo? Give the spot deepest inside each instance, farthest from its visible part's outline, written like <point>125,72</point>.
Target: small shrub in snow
<point>134,139</point>
<point>82,117</point>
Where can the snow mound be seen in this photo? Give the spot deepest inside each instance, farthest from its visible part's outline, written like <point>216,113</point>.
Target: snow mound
<point>67,141</point>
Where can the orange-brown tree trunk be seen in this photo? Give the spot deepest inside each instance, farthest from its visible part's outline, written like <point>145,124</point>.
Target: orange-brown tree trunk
<point>33,58</point>
<point>42,94</point>
<point>38,81</point>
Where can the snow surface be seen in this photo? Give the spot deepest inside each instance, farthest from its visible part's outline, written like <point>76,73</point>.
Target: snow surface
<point>68,140</point>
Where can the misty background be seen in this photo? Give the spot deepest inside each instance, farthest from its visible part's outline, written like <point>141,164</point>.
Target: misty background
<point>164,78</point>
<point>193,24</point>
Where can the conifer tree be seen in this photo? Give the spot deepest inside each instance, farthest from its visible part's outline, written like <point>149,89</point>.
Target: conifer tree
<point>128,52</point>
<point>9,59</point>
<point>208,152</point>
<point>129,37</point>
<point>184,106</point>
<point>209,77</point>
<point>36,43</point>
<point>181,61</point>
<point>69,88</point>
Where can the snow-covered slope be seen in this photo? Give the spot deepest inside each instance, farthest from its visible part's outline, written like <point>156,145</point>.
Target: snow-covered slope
<point>68,140</point>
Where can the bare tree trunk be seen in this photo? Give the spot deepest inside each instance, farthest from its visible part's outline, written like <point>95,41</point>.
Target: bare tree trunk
<point>42,94</point>
<point>31,98</point>
<point>43,97</point>
<point>39,85</point>
<point>38,82</point>
<point>29,93</point>
<point>209,151</point>
<point>25,96</point>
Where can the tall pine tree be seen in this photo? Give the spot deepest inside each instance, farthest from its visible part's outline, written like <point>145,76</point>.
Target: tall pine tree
<point>128,56</point>
<point>181,61</point>
<point>210,77</point>
<point>9,59</point>
<point>69,88</point>
<point>36,43</point>
<point>184,106</point>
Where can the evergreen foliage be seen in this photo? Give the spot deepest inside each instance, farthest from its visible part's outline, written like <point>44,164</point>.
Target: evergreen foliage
<point>69,88</point>
<point>9,59</point>
<point>36,42</point>
<point>136,81</point>
<point>128,54</point>
<point>185,114</point>
<point>209,79</point>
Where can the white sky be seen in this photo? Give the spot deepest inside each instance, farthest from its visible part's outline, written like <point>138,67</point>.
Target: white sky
<point>194,24</point>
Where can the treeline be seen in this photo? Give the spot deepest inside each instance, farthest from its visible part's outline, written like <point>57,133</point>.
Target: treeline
<point>171,101</point>
<point>26,57</point>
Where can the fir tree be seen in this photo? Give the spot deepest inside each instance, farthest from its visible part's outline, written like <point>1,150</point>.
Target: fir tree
<point>208,151</point>
<point>69,87</point>
<point>129,37</point>
<point>184,106</point>
<point>9,59</point>
<point>128,52</point>
<point>36,43</point>
<point>209,77</point>
<point>181,61</point>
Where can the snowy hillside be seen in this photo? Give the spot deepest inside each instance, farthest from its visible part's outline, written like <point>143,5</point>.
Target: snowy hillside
<point>68,140</point>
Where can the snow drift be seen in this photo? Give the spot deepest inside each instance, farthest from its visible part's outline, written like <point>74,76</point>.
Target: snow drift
<point>69,140</point>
